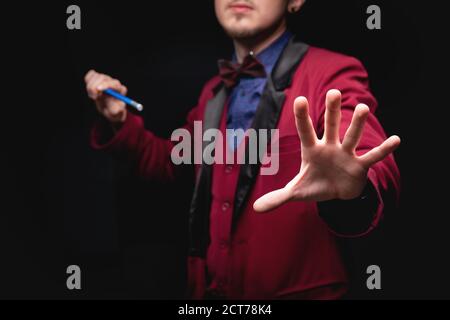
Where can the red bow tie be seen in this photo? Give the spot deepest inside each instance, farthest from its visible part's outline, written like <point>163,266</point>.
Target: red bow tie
<point>231,72</point>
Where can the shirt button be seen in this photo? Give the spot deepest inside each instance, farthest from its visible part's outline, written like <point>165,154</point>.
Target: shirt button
<point>228,169</point>
<point>225,206</point>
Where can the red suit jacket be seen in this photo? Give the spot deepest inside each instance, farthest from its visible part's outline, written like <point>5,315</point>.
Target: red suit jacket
<point>288,253</point>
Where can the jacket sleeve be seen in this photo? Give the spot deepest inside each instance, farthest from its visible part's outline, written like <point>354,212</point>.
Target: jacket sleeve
<point>357,217</point>
<point>151,154</point>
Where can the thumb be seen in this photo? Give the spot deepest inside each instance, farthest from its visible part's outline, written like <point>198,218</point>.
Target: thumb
<point>272,200</point>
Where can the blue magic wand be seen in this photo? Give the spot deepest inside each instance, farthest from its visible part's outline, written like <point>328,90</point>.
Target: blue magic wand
<point>139,107</point>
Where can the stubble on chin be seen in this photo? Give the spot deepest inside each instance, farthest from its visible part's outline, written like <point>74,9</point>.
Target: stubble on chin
<point>242,33</point>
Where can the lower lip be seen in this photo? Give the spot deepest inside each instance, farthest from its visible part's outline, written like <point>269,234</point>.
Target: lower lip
<point>241,9</point>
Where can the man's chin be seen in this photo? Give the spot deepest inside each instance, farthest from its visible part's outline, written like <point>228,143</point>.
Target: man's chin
<point>242,33</point>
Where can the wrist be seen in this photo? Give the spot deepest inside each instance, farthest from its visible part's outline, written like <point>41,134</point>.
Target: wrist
<point>118,122</point>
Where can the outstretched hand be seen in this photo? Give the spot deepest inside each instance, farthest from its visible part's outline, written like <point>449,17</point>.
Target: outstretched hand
<point>329,169</point>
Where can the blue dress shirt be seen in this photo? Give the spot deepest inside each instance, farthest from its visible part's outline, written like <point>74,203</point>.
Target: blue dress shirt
<point>245,96</point>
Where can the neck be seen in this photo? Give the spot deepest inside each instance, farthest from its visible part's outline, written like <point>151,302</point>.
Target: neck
<point>258,43</point>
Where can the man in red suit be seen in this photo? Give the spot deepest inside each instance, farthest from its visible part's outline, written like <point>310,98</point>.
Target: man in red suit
<point>335,163</point>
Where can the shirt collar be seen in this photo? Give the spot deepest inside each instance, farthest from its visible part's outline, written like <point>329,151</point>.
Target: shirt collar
<point>269,56</point>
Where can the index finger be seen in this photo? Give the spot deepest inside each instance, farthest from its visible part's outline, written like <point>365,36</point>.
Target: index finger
<point>303,122</point>
<point>89,75</point>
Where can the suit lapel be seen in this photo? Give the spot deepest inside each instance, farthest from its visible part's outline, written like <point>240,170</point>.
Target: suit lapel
<point>213,111</point>
<point>267,116</point>
<point>201,199</point>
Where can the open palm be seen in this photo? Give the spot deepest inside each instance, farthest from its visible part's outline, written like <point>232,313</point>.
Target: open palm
<point>329,169</point>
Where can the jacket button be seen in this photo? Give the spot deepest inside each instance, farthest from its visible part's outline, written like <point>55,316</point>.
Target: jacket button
<point>225,206</point>
<point>228,169</point>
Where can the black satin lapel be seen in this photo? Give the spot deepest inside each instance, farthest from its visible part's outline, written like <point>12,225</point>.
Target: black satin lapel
<point>213,111</point>
<point>267,115</point>
<point>201,199</point>
<point>288,63</point>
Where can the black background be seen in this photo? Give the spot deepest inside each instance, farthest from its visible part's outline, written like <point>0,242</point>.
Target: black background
<point>63,203</point>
